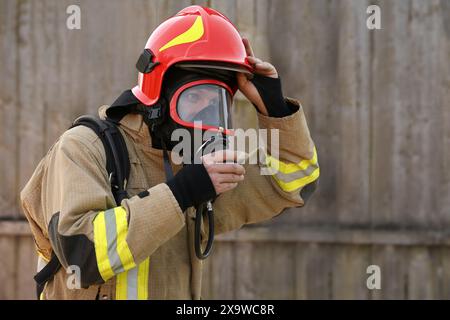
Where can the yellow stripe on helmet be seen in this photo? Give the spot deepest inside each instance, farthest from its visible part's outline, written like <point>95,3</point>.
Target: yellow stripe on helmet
<point>194,33</point>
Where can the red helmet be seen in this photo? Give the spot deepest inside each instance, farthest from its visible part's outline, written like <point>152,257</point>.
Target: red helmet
<point>197,37</point>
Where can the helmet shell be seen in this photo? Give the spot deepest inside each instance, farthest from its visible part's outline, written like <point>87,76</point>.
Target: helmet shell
<point>194,34</point>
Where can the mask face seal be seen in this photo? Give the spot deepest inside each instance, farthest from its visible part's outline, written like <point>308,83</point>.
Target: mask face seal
<point>204,105</point>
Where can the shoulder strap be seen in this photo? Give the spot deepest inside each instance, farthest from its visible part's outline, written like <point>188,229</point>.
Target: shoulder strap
<point>46,273</point>
<point>118,168</point>
<point>117,159</point>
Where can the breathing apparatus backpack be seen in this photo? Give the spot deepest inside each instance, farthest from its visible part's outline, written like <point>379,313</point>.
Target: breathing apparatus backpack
<point>117,166</point>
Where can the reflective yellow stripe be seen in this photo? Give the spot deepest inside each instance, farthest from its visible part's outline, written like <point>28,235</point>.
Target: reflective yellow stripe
<point>293,176</point>
<point>121,286</point>
<point>126,281</point>
<point>299,183</point>
<point>143,279</point>
<point>288,168</point>
<point>122,247</point>
<point>101,247</point>
<point>194,33</point>
<point>113,253</point>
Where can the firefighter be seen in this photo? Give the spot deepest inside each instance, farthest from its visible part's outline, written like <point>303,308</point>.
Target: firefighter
<point>143,246</point>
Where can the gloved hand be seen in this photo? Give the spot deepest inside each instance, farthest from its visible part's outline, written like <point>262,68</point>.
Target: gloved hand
<point>263,90</point>
<point>197,183</point>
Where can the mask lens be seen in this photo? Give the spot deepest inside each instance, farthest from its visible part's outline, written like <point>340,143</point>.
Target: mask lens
<point>208,103</point>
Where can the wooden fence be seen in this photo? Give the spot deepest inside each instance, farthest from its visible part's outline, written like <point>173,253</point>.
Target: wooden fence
<point>377,102</point>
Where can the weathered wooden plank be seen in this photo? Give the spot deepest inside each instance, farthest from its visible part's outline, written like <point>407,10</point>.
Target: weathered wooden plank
<point>14,228</point>
<point>112,57</point>
<point>26,268</point>
<point>32,112</point>
<point>393,267</point>
<point>441,30</point>
<point>265,271</point>
<point>261,26</point>
<point>245,287</point>
<point>301,271</point>
<point>9,108</point>
<point>204,3</point>
<point>227,7</point>
<point>223,271</point>
<point>445,273</point>
<point>314,273</point>
<point>174,5</point>
<point>349,272</point>
<point>423,139</point>
<point>245,18</point>
<point>352,101</point>
<point>63,65</point>
<point>407,134</point>
<point>383,119</point>
<point>437,278</point>
<point>8,274</point>
<point>421,275</point>
<point>329,234</point>
<point>276,278</point>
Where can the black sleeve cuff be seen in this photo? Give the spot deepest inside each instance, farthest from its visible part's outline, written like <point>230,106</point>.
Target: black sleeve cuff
<point>192,186</point>
<point>272,95</point>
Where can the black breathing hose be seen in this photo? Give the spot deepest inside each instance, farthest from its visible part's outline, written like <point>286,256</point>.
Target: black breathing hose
<point>198,225</point>
<point>199,215</point>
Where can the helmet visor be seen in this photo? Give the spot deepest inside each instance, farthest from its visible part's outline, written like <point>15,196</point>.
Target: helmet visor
<point>204,104</point>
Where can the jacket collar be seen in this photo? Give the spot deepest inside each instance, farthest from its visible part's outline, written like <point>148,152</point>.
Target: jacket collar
<point>132,123</point>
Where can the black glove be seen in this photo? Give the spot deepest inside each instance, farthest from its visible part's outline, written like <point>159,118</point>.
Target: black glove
<point>272,95</point>
<point>192,186</point>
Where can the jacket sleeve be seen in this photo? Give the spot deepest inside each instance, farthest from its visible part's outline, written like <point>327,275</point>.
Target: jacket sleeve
<point>280,181</point>
<point>85,225</point>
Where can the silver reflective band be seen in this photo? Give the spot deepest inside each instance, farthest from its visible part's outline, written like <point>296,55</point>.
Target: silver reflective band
<point>111,236</point>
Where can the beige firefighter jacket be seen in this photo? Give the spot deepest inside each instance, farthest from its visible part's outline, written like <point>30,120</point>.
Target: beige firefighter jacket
<point>143,247</point>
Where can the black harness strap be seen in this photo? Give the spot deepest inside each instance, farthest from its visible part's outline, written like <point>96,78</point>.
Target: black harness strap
<point>117,160</point>
<point>118,168</point>
<point>46,274</point>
